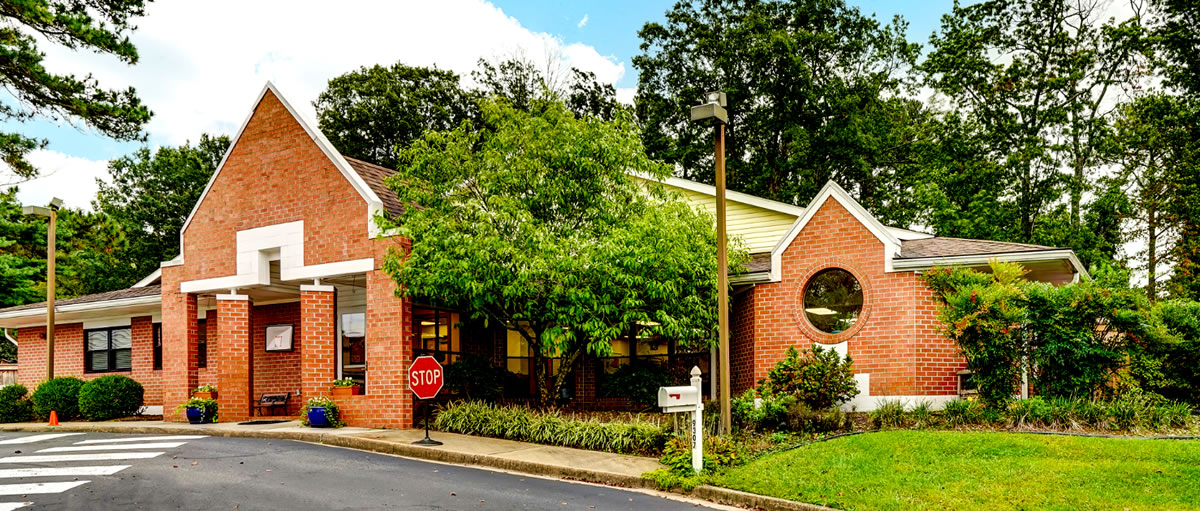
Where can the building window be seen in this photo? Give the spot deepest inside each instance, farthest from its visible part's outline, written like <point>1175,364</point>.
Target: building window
<point>201,343</point>
<point>157,346</point>
<point>833,299</point>
<point>108,349</point>
<point>354,348</point>
<point>437,335</point>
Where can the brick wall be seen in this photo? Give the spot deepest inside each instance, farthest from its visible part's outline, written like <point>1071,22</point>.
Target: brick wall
<point>69,351</point>
<point>235,382</point>
<point>319,356</point>
<point>277,371</point>
<point>179,374</point>
<point>894,339</point>
<point>742,341</point>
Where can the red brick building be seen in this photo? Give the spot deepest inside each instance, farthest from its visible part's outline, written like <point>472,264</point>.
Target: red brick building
<point>280,288</point>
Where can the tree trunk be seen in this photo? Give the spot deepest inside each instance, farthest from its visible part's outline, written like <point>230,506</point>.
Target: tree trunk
<point>1151,253</point>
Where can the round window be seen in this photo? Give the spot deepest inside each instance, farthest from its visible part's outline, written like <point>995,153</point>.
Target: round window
<point>833,299</point>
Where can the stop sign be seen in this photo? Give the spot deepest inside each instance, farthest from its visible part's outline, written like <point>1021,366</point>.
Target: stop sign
<point>425,377</point>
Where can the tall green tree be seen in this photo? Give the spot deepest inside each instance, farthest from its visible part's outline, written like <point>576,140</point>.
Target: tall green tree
<point>370,112</point>
<point>95,25</point>
<point>150,194</point>
<point>1177,33</point>
<point>528,87</point>
<point>814,88</point>
<point>1039,77</point>
<point>535,224</point>
<point>21,268</point>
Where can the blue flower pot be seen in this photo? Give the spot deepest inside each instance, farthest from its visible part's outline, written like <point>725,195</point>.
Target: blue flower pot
<point>195,415</point>
<point>316,417</point>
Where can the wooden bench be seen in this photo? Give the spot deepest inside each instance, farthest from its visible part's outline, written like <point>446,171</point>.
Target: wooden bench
<point>271,402</point>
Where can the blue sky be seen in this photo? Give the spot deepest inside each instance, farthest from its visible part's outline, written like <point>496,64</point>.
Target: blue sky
<point>196,83</point>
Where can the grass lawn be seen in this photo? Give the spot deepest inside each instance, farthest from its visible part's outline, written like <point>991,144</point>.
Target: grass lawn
<point>957,470</point>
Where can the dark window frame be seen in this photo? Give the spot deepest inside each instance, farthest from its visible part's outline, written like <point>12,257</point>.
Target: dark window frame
<point>444,356</point>
<point>202,343</point>
<point>157,342</point>
<point>111,352</point>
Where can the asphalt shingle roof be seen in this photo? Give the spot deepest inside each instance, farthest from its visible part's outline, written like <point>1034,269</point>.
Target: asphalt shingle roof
<point>133,292</point>
<point>940,246</point>
<point>374,175</point>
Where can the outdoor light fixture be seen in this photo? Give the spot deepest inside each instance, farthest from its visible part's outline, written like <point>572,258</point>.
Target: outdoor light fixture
<point>50,212</point>
<point>714,108</point>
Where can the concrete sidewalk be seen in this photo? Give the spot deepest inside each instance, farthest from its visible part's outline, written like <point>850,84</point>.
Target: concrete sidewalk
<point>561,462</point>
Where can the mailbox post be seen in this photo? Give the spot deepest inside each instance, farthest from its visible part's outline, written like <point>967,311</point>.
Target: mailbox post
<point>688,399</point>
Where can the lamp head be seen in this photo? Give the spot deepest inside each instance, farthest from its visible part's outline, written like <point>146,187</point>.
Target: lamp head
<point>36,211</point>
<point>56,202</point>
<point>712,108</point>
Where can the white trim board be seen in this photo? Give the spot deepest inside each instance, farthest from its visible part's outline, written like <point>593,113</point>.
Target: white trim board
<point>926,263</point>
<point>374,204</point>
<point>831,190</point>
<point>730,195</point>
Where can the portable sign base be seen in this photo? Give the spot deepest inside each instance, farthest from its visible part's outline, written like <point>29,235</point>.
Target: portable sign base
<point>425,381</point>
<point>427,440</point>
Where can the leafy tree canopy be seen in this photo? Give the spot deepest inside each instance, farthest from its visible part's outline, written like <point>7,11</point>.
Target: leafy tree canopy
<point>96,25</point>
<point>535,223</point>
<point>813,89</point>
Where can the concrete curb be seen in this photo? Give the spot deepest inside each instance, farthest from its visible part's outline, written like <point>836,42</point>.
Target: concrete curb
<point>711,493</point>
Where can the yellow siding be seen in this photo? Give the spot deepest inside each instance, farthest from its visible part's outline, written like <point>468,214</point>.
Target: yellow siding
<point>759,228</point>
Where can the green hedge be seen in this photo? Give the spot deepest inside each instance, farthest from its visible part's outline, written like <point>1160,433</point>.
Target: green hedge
<point>60,395</point>
<point>525,425</point>
<point>14,405</point>
<point>110,397</point>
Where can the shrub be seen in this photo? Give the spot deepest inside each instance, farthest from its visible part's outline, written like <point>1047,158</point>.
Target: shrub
<point>677,455</point>
<point>820,378</point>
<point>767,414</point>
<point>1090,413</point>
<point>110,397</point>
<point>475,378</point>
<point>803,419</point>
<point>922,414</point>
<point>889,414</point>
<point>60,395</point>
<point>1029,412</point>
<point>639,381</point>
<point>960,412</point>
<point>525,425</point>
<point>720,452</point>
<point>14,405</point>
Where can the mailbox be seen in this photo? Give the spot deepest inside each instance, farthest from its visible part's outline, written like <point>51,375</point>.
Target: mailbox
<point>678,399</point>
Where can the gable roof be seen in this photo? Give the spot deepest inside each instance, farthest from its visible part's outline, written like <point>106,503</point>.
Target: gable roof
<point>831,190</point>
<point>374,204</point>
<point>120,294</point>
<point>374,175</point>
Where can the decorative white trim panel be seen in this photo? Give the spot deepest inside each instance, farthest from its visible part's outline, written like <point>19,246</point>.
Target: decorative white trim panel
<point>926,263</point>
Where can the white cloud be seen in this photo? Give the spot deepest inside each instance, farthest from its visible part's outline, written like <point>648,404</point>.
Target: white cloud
<point>582,22</point>
<point>200,67</point>
<point>69,178</point>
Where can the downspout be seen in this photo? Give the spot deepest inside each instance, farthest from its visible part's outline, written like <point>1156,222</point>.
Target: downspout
<point>10,337</point>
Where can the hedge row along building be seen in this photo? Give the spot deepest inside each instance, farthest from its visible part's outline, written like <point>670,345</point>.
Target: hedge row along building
<point>283,240</point>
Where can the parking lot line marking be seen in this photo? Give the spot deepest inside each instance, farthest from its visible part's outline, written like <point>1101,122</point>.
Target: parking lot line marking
<point>98,456</point>
<point>114,447</point>
<point>140,439</point>
<point>35,438</point>
<point>10,506</point>
<point>32,488</point>
<point>102,470</point>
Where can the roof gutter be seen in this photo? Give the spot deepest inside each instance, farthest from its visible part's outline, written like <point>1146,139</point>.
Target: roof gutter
<point>85,307</point>
<point>750,278</point>
<point>926,263</point>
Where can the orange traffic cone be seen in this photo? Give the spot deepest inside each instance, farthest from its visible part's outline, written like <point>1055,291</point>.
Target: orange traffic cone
<point>53,418</point>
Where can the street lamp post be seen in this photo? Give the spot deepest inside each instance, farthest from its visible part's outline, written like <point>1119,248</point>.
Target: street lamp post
<point>714,108</point>
<point>51,253</point>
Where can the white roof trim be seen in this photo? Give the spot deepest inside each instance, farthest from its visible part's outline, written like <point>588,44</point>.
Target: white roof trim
<point>157,274</point>
<point>730,195</point>
<point>908,234</point>
<point>374,205</point>
<point>891,244</point>
<point>83,307</point>
<point>925,263</point>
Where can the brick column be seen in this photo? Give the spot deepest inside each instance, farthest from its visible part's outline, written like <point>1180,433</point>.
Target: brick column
<point>179,344</point>
<point>235,358</point>
<point>318,340</point>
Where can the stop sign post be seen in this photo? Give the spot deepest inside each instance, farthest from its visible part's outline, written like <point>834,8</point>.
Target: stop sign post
<point>425,380</point>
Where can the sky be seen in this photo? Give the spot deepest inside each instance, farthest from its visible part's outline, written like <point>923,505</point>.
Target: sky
<point>203,63</point>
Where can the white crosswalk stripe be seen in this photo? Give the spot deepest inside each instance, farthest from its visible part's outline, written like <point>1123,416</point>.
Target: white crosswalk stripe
<point>140,439</point>
<point>102,470</point>
<point>99,456</point>
<point>35,438</point>
<point>33,488</point>
<point>95,450</point>
<point>114,447</point>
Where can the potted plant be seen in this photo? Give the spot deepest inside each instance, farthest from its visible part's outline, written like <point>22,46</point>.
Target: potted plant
<point>205,392</point>
<point>199,411</point>
<point>345,387</point>
<point>321,412</point>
